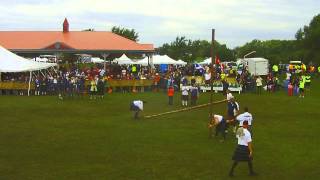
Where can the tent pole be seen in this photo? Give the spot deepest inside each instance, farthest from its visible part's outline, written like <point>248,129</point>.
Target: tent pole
<point>29,83</point>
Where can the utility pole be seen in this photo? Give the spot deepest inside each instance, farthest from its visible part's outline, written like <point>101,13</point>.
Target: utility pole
<point>212,72</point>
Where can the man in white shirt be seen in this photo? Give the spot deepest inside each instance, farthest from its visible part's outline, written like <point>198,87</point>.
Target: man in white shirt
<point>244,150</point>
<point>259,84</point>
<point>207,77</point>
<point>136,106</point>
<point>185,95</point>
<point>246,116</point>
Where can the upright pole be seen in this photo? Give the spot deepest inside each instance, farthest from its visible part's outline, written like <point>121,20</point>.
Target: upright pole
<point>212,72</point>
<point>104,63</point>
<point>29,85</point>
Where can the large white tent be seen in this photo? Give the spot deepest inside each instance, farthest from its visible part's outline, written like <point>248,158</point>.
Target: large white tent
<point>10,62</point>
<point>158,59</point>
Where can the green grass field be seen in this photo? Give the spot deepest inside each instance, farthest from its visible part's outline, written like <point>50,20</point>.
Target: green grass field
<point>44,138</point>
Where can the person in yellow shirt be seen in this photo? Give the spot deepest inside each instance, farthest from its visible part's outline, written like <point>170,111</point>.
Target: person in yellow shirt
<point>301,86</point>
<point>275,69</point>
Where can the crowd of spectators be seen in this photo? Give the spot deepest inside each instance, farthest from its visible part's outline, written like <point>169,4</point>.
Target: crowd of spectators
<point>71,80</point>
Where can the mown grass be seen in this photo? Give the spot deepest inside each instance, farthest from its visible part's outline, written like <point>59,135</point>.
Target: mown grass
<point>44,138</point>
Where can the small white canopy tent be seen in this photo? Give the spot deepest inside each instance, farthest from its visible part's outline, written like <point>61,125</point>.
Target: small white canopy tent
<point>10,62</point>
<point>206,61</point>
<point>143,62</point>
<point>180,62</point>
<point>158,59</point>
<point>38,59</point>
<point>124,60</point>
<point>97,60</point>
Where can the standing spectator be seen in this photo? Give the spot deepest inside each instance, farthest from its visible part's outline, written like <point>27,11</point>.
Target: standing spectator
<point>55,85</point>
<point>37,86</point>
<point>170,94</point>
<point>194,95</point>
<point>185,95</point>
<point>301,87</point>
<point>207,77</point>
<point>156,82</point>
<point>81,86</point>
<point>259,85</point>
<point>101,89</point>
<point>93,89</point>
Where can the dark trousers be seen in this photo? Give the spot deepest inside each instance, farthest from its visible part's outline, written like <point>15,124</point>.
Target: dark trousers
<point>170,100</point>
<point>136,114</point>
<point>193,101</point>
<point>221,128</point>
<point>235,163</point>
<point>259,89</point>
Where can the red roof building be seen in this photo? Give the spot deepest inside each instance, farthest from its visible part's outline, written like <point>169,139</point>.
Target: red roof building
<point>89,42</point>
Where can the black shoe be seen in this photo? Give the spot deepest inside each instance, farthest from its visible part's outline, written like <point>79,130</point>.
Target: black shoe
<point>253,174</point>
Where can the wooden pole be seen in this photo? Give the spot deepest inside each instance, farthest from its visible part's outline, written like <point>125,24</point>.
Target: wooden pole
<point>186,109</point>
<point>212,72</point>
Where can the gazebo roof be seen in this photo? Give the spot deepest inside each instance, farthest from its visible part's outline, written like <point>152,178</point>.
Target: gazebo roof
<point>72,41</point>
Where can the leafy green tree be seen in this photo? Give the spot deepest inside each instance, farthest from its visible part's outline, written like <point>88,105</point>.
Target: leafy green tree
<point>194,51</point>
<point>127,33</point>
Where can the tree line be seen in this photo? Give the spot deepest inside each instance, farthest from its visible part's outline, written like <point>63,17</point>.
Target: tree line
<point>305,47</point>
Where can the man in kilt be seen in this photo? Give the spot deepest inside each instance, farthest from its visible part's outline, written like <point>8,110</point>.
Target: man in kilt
<point>243,151</point>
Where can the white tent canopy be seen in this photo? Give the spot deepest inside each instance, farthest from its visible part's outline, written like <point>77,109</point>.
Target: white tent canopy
<point>125,60</point>
<point>10,62</point>
<point>97,60</point>
<point>158,59</point>
<point>206,61</point>
<point>180,62</point>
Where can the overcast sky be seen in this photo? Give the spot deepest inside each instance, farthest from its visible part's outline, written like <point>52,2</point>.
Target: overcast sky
<point>159,21</point>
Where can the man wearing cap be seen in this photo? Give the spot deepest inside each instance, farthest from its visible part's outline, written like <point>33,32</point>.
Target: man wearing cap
<point>246,116</point>
<point>244,149</point>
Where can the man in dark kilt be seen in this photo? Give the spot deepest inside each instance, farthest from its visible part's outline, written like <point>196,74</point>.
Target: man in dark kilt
<point>243,151</point>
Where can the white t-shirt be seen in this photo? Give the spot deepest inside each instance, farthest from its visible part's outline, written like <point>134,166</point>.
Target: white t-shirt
<point>288,76</point>
<point>185,91</point>
<point>218,117</point>
<point>207,76</point>
<point>259,81</point>
<point>245,117</point>
<point>235,110</point>
<point>229,96</point>
<point>244,140</point>
<point>139,104</point>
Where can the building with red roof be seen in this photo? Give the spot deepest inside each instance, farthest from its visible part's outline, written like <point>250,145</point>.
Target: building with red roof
<point>77,42</point>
